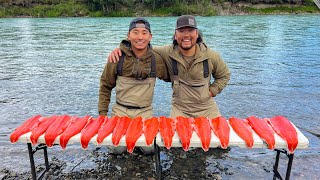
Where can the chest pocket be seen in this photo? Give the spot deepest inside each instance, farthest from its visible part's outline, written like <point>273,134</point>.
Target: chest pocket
<point>133,92</point>
<point>205,68</point>
<point>138,91</point>
<point>191,91</point>
<point>137,70</point>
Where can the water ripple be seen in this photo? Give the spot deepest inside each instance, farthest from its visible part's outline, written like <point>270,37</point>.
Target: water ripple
<point>52,66</point>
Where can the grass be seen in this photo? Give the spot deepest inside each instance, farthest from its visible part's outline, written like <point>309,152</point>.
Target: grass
<point>185,9</point>
<point>279,10</point>
<point>58,10</point>
<point>76,9</point>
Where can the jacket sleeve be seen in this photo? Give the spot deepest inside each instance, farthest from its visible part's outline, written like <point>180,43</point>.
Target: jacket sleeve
<point>220,73</point>
<point>162,53</point>
<point>161,68</point>
<point>107,83</point>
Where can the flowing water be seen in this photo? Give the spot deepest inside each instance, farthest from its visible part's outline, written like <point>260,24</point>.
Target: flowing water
<point>52,66</point>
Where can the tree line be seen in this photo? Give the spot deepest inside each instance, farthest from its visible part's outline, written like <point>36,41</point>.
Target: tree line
<point>123,7</point>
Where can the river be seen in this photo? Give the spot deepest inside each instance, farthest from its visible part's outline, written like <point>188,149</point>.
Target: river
<point>53,65</point>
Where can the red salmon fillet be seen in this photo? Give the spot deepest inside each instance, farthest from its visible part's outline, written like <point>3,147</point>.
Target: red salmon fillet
<point>75,126</point>
<point>133,133</point>
<point>243,129</point>
<point>41,128</point>
<point>221,129</point>
<point>26,127</point>
<point>167,128</point>
<point>107,128</point>
<point>283,127</point>
<point>120,129</point>
<point>263,129</point>
<point>56,128</point>
<point>203,130</point>
<point>184,128</point>
<point>90,130</point>
<point>150,129</point>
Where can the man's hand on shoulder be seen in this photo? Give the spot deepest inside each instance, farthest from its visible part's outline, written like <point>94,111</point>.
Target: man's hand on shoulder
<point>113,57</point>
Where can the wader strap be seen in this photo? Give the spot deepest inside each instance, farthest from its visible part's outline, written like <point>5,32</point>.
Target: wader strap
<point>205,68</point>
<point>153,66</point>
<point>120,64</point>
<point>174,67</point>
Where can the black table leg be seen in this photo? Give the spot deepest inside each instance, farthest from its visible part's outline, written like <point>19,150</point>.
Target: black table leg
<point>31,157</point>
<point>33,168</point>
<point>289,166</point>
<point>290,156</point>
<point>157,158</point>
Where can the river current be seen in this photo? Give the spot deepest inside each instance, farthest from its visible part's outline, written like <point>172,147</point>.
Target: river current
<point>53,65</point>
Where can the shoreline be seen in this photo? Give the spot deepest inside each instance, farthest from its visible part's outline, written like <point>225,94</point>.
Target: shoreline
<point>214,9</point>
<point>240,14</point>
<point>217,163</point>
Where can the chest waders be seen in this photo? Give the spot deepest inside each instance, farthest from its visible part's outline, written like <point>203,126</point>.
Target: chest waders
<point>191,97</point>
<point>134,96</point>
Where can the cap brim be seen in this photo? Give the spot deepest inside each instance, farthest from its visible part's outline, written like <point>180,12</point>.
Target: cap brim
<point>186,26</point>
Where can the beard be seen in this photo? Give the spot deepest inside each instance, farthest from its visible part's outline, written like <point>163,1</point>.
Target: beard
<point>186,48</point>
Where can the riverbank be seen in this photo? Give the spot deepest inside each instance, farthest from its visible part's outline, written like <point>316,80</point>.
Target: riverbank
<point>223,8</point>
<point>97,163</point>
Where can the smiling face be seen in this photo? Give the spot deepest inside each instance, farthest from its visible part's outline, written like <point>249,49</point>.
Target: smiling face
<point>186,38</point>
<point>139,38</point>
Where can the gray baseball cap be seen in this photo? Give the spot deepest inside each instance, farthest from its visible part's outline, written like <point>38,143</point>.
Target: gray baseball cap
<point>139,22</point>
<point>186,21</point>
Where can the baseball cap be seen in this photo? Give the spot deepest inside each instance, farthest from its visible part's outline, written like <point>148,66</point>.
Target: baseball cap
<point>186,21</point>
<point>139,22</point>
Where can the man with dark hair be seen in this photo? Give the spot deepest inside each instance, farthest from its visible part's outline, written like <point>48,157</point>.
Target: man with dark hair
<point>191,64</point>
<point>133,77</point>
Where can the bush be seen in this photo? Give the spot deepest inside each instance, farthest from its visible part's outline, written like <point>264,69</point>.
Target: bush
<point>290,10</point>
<point>96,14</point>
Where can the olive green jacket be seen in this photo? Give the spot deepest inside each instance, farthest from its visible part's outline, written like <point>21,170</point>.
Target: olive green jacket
<point>217,67</point>
<point>109,75</point>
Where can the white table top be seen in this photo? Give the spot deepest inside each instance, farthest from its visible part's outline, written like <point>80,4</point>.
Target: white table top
<point>234,140</point>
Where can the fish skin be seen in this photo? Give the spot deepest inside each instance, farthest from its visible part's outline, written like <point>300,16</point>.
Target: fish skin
<point>133,133</point>
<point>120,129</point>
<point>56,128</point>
<point>221,129</point>
<point>91,129</point>
<point>74,127</point>
<point>263,129</point>
<point>166,128</point>
<point>107,128</point>
<point>243,130</point>
<point>203,130</point>
<point>26,127</point>
<point>150,129</point>
<point>41,128</point>
<point>283,127</point>
<point>184,128</point>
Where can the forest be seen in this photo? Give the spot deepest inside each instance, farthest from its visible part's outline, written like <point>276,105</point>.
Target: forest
<point>122,8</point>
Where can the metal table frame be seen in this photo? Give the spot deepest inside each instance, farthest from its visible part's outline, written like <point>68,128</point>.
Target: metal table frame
<point>32,151</point>
<point>33,167</point>
<point>275,167</point>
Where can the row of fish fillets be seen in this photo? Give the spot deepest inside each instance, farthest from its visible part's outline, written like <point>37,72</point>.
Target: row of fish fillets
<point>66,127</point>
